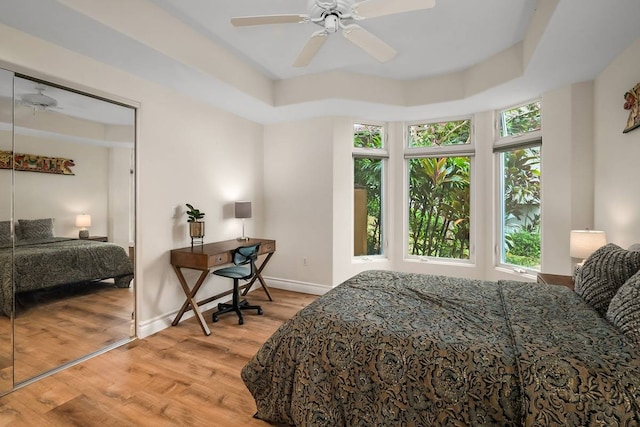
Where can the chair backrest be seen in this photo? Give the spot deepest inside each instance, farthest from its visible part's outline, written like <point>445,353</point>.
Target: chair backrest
<point>245,255</point>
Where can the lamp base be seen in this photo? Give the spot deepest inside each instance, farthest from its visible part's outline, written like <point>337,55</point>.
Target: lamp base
<point>242,239</point>
<point>83,234</point>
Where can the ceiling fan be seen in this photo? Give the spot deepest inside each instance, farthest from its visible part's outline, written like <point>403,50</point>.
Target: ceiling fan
<point>39,101</point>
<point>341,14</point>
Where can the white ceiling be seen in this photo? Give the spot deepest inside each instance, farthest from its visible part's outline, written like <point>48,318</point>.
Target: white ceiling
<point>578,40</point>
<point>452,36</point>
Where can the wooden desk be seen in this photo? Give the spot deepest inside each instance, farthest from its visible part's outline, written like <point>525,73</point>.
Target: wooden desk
<point>202,258</point>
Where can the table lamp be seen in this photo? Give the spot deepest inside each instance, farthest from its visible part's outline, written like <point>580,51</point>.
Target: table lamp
<point>243,210</point>
<point>83,221</point>
<point>583,243</point>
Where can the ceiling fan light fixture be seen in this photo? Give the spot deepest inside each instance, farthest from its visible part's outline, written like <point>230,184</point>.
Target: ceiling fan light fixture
<point>331,23</point>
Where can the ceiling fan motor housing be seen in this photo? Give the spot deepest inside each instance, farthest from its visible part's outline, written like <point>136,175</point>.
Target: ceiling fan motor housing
<point>319,8</point>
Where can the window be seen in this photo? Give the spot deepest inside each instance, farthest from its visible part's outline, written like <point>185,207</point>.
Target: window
<point>519,158</point>
<point>369,159</point>
<point>439,207</point>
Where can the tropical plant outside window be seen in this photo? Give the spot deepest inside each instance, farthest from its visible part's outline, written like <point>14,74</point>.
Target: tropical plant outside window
<point>369,157</point>
<point>520,185</point>
<point>439,189</point>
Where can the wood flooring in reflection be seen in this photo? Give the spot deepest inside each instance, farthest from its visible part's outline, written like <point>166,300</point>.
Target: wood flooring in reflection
<point>59,325</point>
<point>176,377</point>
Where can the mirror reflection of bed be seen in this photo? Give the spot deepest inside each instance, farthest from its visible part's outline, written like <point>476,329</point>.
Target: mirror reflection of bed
<point>75,296</point>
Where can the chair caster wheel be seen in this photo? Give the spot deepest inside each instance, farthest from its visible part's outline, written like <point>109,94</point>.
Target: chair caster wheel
<point>260,311</point>
<point>240,321</point>
<point>214,318</point>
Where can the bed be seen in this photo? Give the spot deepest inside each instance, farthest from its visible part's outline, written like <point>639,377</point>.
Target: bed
<point>399,349</point>
<point>40,261</point>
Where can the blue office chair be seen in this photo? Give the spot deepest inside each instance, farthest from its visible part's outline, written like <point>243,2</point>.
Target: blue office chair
<point>241,256</point>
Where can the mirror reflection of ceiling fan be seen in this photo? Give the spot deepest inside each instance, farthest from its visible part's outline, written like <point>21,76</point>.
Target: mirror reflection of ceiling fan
<point>39,101</point>
<point>341,14</point>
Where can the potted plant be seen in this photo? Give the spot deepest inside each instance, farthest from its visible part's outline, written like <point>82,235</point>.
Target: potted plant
<point>196,226</point>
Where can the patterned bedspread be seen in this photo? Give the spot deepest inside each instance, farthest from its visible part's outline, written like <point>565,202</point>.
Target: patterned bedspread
<point>40,264</point>
<point>397,349</point>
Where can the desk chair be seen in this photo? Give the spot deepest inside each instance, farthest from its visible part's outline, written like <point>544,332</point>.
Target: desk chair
<point>241,256</point>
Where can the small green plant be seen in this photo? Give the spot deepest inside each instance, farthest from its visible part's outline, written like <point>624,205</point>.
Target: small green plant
<point>194,214</point>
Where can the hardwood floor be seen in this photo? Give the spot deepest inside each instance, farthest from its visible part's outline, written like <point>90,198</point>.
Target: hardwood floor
<point>176,377</point>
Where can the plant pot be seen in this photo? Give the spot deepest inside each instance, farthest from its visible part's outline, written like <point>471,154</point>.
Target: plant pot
<point>196,230</point>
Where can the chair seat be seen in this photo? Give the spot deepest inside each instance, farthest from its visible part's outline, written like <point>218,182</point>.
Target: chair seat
<point>234,272</point>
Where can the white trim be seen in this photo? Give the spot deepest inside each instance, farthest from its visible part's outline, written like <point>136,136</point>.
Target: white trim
<point>297,286</point>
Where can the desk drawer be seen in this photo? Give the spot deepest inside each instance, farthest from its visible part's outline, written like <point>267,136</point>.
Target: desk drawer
<point>219,259</point>
<point>266,248</point>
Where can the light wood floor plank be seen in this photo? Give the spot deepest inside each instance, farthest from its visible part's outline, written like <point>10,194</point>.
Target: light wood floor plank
<point>175,377</point>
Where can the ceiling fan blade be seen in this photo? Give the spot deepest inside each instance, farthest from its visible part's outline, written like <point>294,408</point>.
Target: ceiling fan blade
<point>374,8</point>
<point>311,48</point>
<point>244,21</point>
<point>369,43</point>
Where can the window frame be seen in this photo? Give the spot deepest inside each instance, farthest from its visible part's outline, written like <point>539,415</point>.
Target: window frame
<point>501,145</point>
<point>457,150</point>
<point>372,153</point>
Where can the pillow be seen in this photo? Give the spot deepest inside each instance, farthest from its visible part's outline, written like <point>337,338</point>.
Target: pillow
<point>603,273</point>
<point>5,232</point>
<point>635,247</point>
<point>624,310</point>
<point>36,228</point>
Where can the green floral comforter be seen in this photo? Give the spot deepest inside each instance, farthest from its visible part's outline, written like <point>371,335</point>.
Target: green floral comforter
<point>398,349</point>
<point>39,264</point>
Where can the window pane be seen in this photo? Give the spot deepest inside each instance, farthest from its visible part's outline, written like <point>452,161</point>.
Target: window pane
<point>439,207</point>
<point>367,206</point>
<point>367,136</point>
<point>441,133</point>
<point>522,119</point>
<point>521,207</point>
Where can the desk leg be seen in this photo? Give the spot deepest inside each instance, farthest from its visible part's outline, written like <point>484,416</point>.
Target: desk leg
<point>258,276</point>
<point>190,301</point>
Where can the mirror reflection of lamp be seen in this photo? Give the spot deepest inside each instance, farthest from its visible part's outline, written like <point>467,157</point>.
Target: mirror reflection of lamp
<point>83,221</point>
<point>583,243</point>
<point>243,210</point>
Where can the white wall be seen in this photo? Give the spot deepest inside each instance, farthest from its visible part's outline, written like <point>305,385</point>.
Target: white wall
<point>617,155</point>
<point>567,171</point>
<point>187,152</point>
<point>62,197</point>
<point>298,192</point>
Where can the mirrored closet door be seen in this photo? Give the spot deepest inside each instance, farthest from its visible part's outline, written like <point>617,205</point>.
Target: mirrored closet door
<point>73,216</point>
<point>6,239</point>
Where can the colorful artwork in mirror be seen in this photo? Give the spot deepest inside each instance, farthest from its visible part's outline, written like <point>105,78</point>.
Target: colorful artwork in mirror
<point>35,163</point>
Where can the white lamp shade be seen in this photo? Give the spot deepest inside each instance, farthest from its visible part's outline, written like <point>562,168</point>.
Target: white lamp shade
<point>83,220</point>
<point>584,242</point>
<point>243,210</point>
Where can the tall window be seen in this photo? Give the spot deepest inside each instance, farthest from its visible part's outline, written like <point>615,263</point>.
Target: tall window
<point>519,149</point>
<point>369,158</point>
<point>439,165</point>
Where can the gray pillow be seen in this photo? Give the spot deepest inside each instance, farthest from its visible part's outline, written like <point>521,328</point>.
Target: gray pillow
<point>635,247</point>
<point>624,310</point>
<point>35,229</point>
<point>5,232</point>
<point>603,273</point>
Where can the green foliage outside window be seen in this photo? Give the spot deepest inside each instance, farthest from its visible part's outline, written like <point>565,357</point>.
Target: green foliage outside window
<point>521,189</point>
<point>368,175</point>
<point>440,134</point>
<point>439,192</point>
<point>521,119</point>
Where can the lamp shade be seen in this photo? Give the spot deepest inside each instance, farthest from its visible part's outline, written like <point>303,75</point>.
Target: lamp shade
<point>584,242</point>
<point>83,220</point>
<point>243,209</point>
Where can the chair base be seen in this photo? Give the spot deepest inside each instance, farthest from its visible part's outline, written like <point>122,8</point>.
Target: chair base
<point>227,308</point>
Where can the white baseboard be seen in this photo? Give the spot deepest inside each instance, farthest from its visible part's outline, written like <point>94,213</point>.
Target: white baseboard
<point>296,286</point>
<point>164,321</point>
